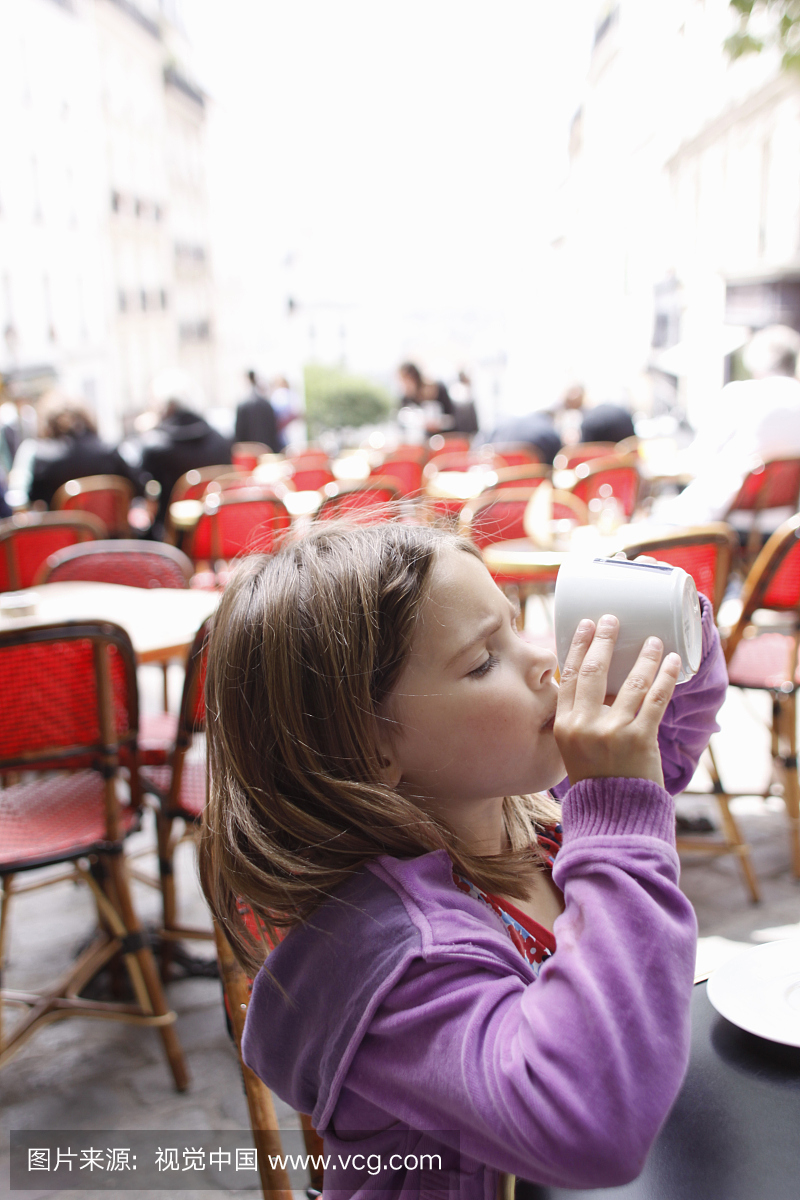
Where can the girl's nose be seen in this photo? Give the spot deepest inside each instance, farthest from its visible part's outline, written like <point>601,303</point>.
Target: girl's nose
<point>542,662</point>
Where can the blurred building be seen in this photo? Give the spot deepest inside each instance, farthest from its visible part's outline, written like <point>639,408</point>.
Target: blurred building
<point>105,274</point>
<point>678,228</point>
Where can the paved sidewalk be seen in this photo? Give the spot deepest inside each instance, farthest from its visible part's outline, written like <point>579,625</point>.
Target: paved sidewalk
<point>98,1075</point>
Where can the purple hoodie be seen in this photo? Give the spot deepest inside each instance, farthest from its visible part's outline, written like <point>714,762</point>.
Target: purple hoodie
<point>405,1020</point>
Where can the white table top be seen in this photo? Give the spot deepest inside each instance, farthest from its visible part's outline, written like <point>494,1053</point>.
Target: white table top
<point>161,622</point>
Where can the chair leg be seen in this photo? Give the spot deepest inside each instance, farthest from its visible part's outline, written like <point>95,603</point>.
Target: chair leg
<point>738,845</point>
<point>166,868</point>
<point>314,1147</point>
<point>787,706</point>
<point>263,1121</point>
<point>165,670</point>
<point>146,964</point>
<point>5,902</point>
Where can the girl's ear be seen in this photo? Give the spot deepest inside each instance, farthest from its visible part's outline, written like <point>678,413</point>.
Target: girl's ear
<point>389,767</point>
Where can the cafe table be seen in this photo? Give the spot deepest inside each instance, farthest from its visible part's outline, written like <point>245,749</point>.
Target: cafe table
<point>734,1130</point>
<point>161,622</point>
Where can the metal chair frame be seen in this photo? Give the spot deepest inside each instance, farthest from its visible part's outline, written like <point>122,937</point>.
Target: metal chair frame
<point>100,864</point>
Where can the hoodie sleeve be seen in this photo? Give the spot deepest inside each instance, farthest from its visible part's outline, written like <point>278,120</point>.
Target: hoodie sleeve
<point>689,721</point>
<point>564,1080</point>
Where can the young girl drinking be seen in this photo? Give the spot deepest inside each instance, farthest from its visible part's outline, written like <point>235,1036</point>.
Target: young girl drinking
<point>468,964</point>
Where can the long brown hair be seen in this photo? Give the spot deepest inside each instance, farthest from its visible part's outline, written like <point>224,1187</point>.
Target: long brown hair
<point>307,644</point>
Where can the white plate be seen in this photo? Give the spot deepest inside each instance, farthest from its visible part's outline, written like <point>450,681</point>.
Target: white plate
<point>759,991</point>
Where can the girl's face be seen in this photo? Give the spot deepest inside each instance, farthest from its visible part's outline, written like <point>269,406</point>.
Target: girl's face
<point>475,703</point>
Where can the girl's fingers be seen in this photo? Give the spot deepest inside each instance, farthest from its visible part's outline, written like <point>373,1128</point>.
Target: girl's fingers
<point>581,640</point>
<point>659,695</point>
<point>591,684</point>
<point>640,679</point>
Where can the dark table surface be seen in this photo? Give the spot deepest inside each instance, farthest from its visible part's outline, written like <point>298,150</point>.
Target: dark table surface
<point>734,1131</point>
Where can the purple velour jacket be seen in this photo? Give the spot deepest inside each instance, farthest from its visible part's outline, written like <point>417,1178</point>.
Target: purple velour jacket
<point>402,1017</point>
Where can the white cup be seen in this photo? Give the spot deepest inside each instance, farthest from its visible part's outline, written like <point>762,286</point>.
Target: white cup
<point>648,599</point>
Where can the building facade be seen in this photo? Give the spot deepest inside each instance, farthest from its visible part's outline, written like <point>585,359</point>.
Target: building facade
<point>104,247</point>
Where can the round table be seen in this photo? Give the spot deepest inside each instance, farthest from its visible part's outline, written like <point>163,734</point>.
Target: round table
<point>161,622</point>
<point>734,1131</point>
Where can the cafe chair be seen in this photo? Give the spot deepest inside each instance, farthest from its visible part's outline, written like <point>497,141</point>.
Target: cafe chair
<point>512,454</point>
<point>774,483</point>
<point>309,469</point>
<point>191,486</point>
<point>568,457</point>
<point>409,452</point>
<point>706,552</point>
<point>447,443</point>
<point>527,475</point>
<point>768,661</point>
<point>615,476</point>
<point>130,563</point>
<point>68,695</point>
<point>106,496</point>
<point>404,473</point>
<point>263,1120</point>
<point>248,521</point>
<point>28,539</point>
<point>366,503</point>
<point>245,455</point>
<point>180,787</point>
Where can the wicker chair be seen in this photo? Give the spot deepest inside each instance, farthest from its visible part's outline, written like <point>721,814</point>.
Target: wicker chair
<point>774,483</point>
<point>106,496</point>
<point>405,473</point>
<point>69,697</point>
<point>569,457</point>
<point>245,455</point>
<point>616,476</point>
<point>246,521</point>
<point>27,539</point>
<point>366,503</point>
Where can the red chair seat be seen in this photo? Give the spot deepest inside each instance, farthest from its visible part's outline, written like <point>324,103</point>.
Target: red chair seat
<point>54,819</point>
<point>761,662</point>
<point>156,737</point>
<point>192,799</point>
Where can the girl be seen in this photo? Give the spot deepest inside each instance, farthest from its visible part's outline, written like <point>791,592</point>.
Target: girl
<point>381,744</point>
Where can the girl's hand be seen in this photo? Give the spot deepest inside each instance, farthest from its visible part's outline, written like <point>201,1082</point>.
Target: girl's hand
<point>598,740</point>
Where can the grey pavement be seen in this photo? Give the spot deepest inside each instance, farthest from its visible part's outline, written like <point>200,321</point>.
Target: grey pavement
<point>93,1075</point>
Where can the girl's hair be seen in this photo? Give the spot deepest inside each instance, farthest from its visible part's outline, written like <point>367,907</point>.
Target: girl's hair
<point>306,646</point>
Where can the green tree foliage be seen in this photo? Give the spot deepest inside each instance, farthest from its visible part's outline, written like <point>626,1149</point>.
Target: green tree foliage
<point>767,24</point>
<point>336,400</point>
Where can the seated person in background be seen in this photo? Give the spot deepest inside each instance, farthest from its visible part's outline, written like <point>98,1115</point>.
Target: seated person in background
<point>181,442</point>
<point>256,420</point>
<point>606,423</point>
<point>753,419</point>
<point>68,448</point>
<point>534,429</point>
<point>421,392</point>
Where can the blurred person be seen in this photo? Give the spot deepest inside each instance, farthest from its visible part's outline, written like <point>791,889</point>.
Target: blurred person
<point>535,429</point>
<point>256,420</point>
<point>434,398</point>
<point>753,420</point>
<point>288,409</point>
<point>180,442</point>
<point>68,448</point>
<point>466,417</point>
<point>607,422</point>
<point>17,424</point>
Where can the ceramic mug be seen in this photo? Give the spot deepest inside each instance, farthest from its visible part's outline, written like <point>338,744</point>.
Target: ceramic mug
<point>648,599</point>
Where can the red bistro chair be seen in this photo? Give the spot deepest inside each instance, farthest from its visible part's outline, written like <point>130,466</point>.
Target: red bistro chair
<point>106,496</point>
<point>769,661</point>
<point>132,564</point>
<point>513,454</point>
<point>181,784</point>
<point>405,473</point>
<point>248,521</point>
<point>448,443</point>
<point>365,503</point>
<point>192,485</point>
<point>774,483</point>
<point>245,455</point>
<point>528,475</point>
<point>704,551</point>
<point>568,457</point>
<point>68,692</point>
<point>602,478</point>
<point>27,539</point>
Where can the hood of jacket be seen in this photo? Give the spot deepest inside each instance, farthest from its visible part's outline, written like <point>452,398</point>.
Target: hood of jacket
<point>184,426</point>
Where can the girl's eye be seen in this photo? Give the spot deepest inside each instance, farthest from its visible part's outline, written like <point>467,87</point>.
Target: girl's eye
<point>484,668</point>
